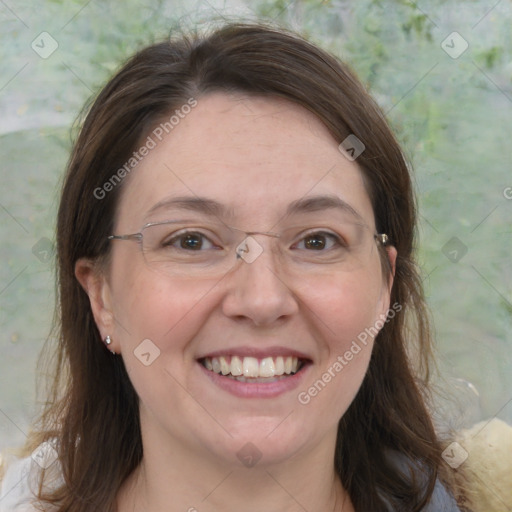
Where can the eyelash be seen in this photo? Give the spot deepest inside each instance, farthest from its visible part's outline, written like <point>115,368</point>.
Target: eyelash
<point>338,240</point>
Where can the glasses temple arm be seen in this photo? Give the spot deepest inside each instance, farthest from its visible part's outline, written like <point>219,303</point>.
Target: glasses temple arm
<point>132,236</point>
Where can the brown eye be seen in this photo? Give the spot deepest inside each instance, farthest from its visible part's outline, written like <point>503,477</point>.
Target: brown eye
<point>189,241</point>
<point>320,240</point>
<point>315,242</point>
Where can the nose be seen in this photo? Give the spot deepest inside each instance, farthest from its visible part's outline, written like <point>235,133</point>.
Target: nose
<point>256,289</point>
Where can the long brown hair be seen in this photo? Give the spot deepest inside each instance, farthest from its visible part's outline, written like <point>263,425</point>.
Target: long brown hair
<point>93,410</point>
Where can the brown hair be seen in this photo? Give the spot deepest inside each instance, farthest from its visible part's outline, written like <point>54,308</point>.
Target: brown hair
<point>93,412</point>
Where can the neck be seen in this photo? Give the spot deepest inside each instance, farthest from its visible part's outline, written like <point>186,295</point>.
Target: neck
<point>176,478</point>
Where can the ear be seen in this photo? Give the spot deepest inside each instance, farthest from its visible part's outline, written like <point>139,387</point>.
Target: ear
<point>385,300</point>
<point>392,255</point>
<point>95,284</point>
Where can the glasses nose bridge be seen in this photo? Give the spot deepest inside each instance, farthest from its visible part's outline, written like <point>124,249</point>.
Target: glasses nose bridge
<point>250,233</point>
<point>247,234</point>
<point>266,233</point>
<point>248,247</point>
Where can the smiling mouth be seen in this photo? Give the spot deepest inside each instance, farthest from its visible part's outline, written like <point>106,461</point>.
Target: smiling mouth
<point>252,369</point>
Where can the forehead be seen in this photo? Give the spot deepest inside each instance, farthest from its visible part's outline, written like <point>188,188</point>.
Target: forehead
<point>254,155</point>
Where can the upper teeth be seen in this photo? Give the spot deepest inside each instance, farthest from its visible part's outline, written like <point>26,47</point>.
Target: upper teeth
<point>251,366</point>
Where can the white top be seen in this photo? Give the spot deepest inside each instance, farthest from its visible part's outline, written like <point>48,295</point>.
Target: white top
<point>21,481</point>
<point>15,491</point>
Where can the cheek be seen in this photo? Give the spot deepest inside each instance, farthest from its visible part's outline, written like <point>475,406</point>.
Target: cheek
<point>344,305</point>
<point>346,309</point>
<point>169,312</point>
<point>149,305</point>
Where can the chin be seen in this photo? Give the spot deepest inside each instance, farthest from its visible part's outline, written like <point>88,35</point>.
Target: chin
<point>260,440</point>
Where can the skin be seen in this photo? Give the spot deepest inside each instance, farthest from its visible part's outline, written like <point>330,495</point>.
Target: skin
<point>255,155</point>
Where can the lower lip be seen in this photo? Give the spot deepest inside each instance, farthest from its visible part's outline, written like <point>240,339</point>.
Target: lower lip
<point>256,389</point>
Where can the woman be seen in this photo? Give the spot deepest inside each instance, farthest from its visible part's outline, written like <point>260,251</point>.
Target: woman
<point>238,294</point>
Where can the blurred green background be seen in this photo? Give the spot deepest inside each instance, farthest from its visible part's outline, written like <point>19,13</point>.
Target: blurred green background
<point>450,108</point>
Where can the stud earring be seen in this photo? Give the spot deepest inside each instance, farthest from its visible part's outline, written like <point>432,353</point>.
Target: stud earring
<point>108,341</point>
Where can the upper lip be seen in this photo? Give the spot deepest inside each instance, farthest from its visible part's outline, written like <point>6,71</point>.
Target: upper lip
<point>257,352</point>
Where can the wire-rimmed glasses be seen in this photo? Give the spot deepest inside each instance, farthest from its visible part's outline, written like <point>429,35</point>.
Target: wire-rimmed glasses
<point>210,249</point>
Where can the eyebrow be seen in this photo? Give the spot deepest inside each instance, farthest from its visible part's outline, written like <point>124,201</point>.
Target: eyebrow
<point>209,206</point>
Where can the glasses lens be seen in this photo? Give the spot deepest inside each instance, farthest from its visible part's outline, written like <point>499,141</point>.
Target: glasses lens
<point>214,249</point>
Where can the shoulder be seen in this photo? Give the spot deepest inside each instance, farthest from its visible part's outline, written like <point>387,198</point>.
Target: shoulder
<point>16,488</point>
<point>441,499</point>
<point>22,479</point>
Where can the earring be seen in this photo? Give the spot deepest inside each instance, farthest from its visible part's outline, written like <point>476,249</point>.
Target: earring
<point>108,341</point>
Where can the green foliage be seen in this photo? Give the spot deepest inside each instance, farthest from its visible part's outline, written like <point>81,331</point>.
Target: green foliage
<point>490,57</point>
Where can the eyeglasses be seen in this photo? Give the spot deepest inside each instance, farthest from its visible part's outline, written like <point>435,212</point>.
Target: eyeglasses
<point>212,249</point>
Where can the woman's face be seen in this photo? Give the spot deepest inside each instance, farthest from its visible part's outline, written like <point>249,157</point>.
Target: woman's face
<point>309,299</point>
